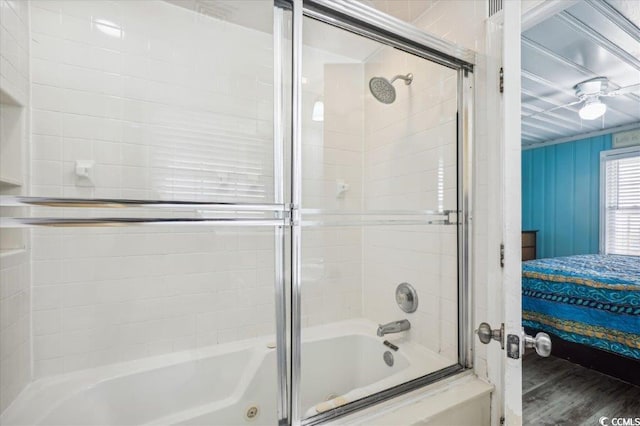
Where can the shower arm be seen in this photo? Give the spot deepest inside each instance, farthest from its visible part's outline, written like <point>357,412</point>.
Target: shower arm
<point>407,78</point>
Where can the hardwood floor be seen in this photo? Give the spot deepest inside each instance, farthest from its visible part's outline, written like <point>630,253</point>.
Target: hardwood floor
<point>558,392</point>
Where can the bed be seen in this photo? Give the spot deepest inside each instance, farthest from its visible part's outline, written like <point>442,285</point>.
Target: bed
<point>590,305</point>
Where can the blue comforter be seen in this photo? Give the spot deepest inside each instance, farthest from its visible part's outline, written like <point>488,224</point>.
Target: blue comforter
<point>589,299</point>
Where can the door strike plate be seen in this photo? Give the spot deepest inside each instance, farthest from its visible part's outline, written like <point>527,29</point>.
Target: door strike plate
<point>513,346</point>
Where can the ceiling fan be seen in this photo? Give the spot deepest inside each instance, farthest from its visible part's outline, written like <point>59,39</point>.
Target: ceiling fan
<point>589,92</point>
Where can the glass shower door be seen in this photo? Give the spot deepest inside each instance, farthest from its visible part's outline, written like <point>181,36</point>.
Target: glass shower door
<point>379,202</point>
<point>156,210</point>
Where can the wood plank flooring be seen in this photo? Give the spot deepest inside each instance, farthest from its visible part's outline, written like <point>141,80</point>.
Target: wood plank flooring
<point>558,392</point>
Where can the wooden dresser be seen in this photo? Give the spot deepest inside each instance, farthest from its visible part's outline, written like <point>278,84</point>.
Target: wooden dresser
<point>529,245</point>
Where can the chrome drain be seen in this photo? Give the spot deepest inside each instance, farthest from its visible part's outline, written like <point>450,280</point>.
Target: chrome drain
<point>251,413</point>
<point>388,358</point>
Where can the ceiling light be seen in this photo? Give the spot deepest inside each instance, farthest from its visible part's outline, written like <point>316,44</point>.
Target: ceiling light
<point>318,111</point>
<point>592,109</point>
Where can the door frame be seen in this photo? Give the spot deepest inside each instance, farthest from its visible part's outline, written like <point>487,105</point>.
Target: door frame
<point>504,209</point>
<point>512,209</point>
<point>504,32</point>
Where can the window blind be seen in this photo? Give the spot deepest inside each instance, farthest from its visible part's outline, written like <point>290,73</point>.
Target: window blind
<point>622,205</point>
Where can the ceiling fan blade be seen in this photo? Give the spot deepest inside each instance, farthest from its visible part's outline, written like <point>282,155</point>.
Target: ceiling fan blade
<point>624,90</point>
<point>553,109</point>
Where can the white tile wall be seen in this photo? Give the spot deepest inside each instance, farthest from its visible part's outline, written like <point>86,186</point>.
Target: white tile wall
<point>162,109</point>
<point>332,152</point>
<point>107,297</point>
<point>15,346</point>
<point>166,110</point>
<point>332,149</point>
<point>14,48</point>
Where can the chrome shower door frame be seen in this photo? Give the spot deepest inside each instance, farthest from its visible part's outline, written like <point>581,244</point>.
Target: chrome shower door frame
<point>373,24</point>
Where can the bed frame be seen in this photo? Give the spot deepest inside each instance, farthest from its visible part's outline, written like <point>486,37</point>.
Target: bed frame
<point>618,366</point>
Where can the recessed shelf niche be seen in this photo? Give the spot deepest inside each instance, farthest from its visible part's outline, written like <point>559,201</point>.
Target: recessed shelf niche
<point>12,138</point>
<point>12,142</point>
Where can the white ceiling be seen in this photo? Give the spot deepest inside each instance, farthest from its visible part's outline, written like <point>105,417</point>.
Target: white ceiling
<point>589,39</point>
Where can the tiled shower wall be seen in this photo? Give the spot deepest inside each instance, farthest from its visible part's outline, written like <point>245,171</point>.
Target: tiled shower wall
<point>166,111</point>
<point>15,291</point>
<point>332,256</point>
<point>163,108</point>
<point>15,347</point>
<point>14,52</point>
<point>410,164</point>
<point>464,22</point>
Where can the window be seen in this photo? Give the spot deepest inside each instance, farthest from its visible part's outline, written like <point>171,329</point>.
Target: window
<point>620,201</point>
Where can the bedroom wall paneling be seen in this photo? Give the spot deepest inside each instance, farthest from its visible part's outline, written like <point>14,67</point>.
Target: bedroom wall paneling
<point>560,195</point>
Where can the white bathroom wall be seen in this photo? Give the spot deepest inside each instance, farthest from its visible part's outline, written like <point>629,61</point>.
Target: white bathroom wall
<point>148,92</point>
<point>15,346</point>
<point>15,291</point>
<point>332,149</point>
<point>332,154</point>
<point>14,48</point>
<point>410,165</point>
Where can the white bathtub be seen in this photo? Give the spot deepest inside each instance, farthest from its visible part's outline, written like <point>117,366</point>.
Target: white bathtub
<point>218,385</point>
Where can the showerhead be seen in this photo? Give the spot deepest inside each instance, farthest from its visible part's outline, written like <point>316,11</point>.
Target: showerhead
<point>383,90</point>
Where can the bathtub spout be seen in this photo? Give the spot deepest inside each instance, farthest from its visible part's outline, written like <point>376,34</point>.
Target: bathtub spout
<point>393,327</point>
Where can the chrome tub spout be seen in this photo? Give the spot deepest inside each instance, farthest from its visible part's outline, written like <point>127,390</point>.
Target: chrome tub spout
<point>393,327</point>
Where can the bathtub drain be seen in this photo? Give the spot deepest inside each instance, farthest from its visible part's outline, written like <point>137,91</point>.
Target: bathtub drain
<point>252,413</point>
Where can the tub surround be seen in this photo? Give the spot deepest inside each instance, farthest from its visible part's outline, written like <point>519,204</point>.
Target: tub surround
<point>344,359</point>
